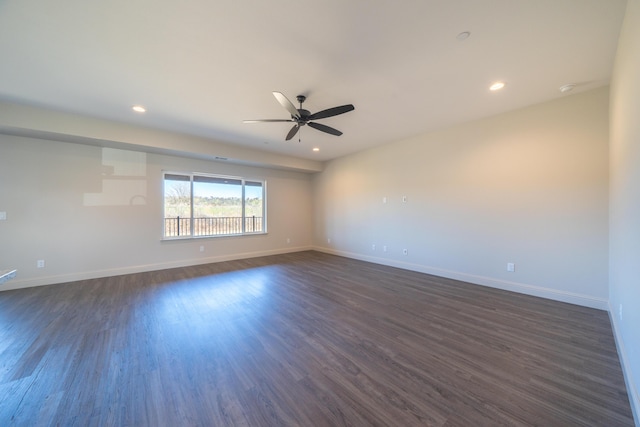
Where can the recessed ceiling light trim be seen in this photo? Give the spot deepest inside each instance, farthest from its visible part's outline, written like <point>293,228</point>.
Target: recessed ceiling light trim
<point>139,109</point>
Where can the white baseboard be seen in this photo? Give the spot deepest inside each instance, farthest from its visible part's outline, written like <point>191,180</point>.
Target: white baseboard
<point>86,275</point>
<point>523,288</point>
<point>632,389</point>
<point>583,300</point>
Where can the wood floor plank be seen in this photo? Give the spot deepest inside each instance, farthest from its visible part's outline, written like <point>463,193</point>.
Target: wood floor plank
<point>302,339</point>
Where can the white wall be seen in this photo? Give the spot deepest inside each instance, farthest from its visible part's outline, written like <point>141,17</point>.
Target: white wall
<point>528,187</point>
<point>68,205</point>
<point>624,274</point>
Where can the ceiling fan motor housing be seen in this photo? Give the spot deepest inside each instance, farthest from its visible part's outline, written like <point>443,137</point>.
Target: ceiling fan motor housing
<point>304,116</point>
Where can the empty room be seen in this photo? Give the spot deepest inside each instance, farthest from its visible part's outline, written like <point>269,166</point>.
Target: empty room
<point>420,213</point>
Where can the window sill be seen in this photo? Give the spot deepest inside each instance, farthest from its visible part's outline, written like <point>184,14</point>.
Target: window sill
<point>180,238</point>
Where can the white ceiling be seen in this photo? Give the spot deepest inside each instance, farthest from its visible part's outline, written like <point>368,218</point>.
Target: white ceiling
<point>202,66</point>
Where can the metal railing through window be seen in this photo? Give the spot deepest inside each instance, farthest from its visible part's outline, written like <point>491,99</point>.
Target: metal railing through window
<point>212,226</point>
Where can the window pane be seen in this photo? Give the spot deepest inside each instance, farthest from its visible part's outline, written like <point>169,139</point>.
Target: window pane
<point>253,207</point>
<point>209,205</point>
<point>177,205</point>
<point>217,206</point>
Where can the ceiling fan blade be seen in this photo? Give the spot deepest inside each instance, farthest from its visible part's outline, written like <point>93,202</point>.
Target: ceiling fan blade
<point>267,121</point>
<point>324,128</point>
<point>292,132</point>
<point>284,101</point>
<point>330,112</point>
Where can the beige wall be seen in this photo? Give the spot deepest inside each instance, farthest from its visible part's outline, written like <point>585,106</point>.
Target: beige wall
<point>528,187</point>
<point>90,211</point>
<point>29,121</point>
<point>624,272</point>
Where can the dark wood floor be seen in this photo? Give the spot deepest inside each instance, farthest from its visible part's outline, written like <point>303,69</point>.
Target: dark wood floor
<point>304,339</point>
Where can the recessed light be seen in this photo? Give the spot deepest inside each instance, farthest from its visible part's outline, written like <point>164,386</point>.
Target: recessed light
<point>463,36</point>
<point>316,149</point>
<point>567,88</point>
<point>139,109</point>
<point>497,86</point>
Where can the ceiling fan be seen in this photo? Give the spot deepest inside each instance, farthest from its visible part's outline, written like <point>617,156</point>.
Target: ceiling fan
<point>302,117</point>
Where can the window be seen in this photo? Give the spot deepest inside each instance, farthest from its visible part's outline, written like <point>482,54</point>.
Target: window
<point>197,205</point>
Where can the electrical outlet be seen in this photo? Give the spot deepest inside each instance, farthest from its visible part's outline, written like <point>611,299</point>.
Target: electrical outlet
<point>3,216</point>
<point>40,263</point>
<point>201,248</point>
<point>373,247</point>
<point>329,240</point>
<point>511,267</point>
<point>384,200</point>
<point>288,240</point>
<point>384,248</point>
<point>405,252</point>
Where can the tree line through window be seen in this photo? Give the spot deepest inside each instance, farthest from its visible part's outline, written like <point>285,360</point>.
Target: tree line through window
<point>198,205</point>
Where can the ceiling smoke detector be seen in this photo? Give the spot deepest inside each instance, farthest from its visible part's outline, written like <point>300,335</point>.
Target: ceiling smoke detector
<point>567,88</point>
<point>463,36</point>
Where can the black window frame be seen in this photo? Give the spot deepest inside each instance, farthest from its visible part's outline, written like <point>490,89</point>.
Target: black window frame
<point>190,227</point>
